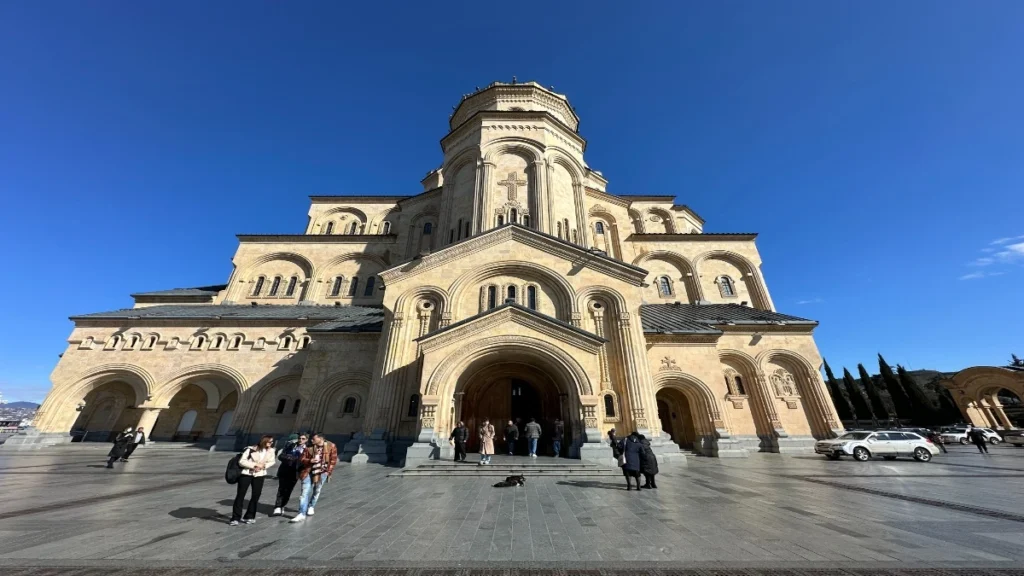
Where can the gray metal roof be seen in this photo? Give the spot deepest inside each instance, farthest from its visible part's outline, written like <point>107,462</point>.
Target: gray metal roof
<point>338,316</point>
<point>198,291</point>
<point>702,318</point>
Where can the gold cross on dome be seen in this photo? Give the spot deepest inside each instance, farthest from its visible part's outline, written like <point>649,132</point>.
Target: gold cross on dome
<point>511,183</point>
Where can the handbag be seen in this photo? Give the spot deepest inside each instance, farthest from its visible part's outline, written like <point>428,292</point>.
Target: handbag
<point>622,460</point>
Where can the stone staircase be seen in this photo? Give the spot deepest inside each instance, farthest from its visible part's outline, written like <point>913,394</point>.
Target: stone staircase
<point>502,466</point>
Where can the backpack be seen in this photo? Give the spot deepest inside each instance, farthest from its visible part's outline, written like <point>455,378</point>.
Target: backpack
<point>234,469</point>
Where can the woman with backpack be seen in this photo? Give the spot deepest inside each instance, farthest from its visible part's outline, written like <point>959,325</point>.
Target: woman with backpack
<point>254,461</point>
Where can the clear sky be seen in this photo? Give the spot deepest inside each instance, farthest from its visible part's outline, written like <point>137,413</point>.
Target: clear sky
<point>875,146</point>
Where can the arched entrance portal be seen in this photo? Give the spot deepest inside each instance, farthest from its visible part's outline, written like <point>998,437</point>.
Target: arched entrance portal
<point>676,417</point>
<point>517,392</point>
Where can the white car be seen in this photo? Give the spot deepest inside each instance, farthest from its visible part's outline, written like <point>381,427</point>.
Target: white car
<point>889,444</point>
<point>960,435</point>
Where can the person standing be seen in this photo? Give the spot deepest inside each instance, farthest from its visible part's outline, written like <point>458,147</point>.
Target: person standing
<point>316,466</point>
<point>935,438</point>
<point>533,433</point>
<point>120,447</point>
<point>255,461</point>
<point>615,444</point>
<point>511,435</point>
<point>648,463</point>
<point>459,438</point>
<point>288,471</point>
<point>631,450</point>
<point>486,442</point>
<point>556,443</point>
<point>977,435</point>
<point>138,439</point>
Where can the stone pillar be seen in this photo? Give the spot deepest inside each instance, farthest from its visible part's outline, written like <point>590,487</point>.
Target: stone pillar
<point>486,206</point>
<point>986,410</point>
<point>426,446</point>
<point>371,445</point>
<point>593,448</point>
<point>550,215</point>
<point>821,404</point>
<point>539,206</point>
<point>147,419</point>
<point>762,398</point>
<point>1000,414</point>
<point>581,215</point>
<point>603,352</point>
<point>633,377</point>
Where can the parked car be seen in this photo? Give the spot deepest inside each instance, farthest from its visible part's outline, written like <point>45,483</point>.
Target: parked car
<point>953,435</point>
<point>889,444</point>
<point>1014,438</point>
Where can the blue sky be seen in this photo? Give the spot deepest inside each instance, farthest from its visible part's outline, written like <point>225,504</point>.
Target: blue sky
<point>875,148</point>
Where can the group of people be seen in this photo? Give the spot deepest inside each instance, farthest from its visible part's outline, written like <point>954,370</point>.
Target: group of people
<point>635,456</point>
<point>306,460</point>
<point>532,432</point>
<point>125,444</point>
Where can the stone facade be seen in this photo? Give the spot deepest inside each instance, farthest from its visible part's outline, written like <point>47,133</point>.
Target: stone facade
<point>510,287</point>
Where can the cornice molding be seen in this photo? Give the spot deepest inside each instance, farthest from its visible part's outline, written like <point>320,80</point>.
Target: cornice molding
<point>628,273</point>
<point>516,117</point>
<point>582,340</point>
<point>320,199</point>
<point>703,237</point>
<point>319,238</point>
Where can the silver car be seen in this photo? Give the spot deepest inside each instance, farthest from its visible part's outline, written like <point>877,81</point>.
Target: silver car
<point>889,444</point>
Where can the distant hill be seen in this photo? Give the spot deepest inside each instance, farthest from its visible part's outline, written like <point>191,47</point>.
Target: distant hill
<point>29,405</point>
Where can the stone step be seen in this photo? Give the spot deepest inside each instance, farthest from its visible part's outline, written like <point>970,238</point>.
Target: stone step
<point>503,471</point>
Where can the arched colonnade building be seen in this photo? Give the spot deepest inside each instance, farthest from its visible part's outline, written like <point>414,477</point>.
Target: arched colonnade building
<point>515,285</point>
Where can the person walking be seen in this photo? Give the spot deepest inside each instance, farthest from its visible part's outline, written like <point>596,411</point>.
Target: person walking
<point>486,442</point>
<point>936,438</point>
<point>977,435</point>
<point>615,444</point>
<point>533,433</point>
<point>316,466</point>
<point>255,462</point>
<point>288,472</point>
<point>138,439</point>
<point>120,448</point>
<point>459,438</point>
<point>631,450</point>
<point>511,435</point>
<point>556,443</point>
<point>648,463</point>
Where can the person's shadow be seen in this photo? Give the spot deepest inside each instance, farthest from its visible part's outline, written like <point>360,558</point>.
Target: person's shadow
<point>591,484</point>
<point>200,513</point>
<point>262,508</point>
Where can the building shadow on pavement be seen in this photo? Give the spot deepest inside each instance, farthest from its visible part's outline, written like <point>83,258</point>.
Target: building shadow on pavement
<point>187,513</point>
<point>264,509</point>
<point>592,484</point>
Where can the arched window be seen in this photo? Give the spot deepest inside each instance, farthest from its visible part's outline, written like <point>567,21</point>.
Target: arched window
<point>664,286</point>
<point>459,228</point>
<point>609,406</point>
<point>369,286</point>
<point>492,296</point>
<point>501,220</point>
<point>354,228</point>
<point>513,216</point>
<point>133,342</point>
<point>466,235</point>
<point>218,342</point>
<point>115,341</point>
<point>558,227</point>
<point>725,285</point>
<point>414,406</point>
<point>336,287</point>
<point>739,386</point>
<point>200,342</point>
<point>330,228</point>
<point>531,297</point>
<point>290,291</point>
<point>236,342</point>
<point>349,407</point>
<point>304,343</point>
<point>353,286</point>
<point>259,286</point>
<point>188,419</point>
<point>280,406</point>
<point>150,342</point>
<point>451,236</point>
<point>260,344</point>
<point>511,293</point>
<point>275,286</point>
<point>526,220</point>
<point>599,227</point>
<point>566,228</point>
<point>386,228</point>
<point>428,228</point>
<point>575,238</point>
<point>295,407</point>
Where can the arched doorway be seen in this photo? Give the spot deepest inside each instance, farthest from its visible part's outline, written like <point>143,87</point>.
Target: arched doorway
<point>676,417</point>
<point>1012,406</point>
<point>514,392</point>
<point>196,413</point>
<point>224,425</point>
<point>105,411</point>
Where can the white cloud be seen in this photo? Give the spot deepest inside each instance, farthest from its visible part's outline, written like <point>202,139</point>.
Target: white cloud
<point>976,275</point>
<point>811,301</point>
<point>988,250</point>
<point>1005,240</point>
<point>983,261</point>
<point>999,253</point>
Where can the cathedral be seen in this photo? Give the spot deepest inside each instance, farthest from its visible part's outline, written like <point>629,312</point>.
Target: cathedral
<point>514,285</point>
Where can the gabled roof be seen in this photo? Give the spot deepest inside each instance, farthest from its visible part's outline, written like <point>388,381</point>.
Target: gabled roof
<point>366,318</point>
<point>529,311</point>
<point>581,256</point>
<point>704,318</point>
<point>198,291</point>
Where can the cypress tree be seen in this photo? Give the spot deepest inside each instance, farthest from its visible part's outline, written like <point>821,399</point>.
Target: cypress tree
<point>861,408</point>
<point>839,399</point>
<point>924,413</point>
<point>874,394</point>
<point>900,400</point>
<point>948,409</point>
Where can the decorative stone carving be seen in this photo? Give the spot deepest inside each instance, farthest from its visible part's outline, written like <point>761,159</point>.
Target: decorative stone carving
<point>427,415</point>
<point>785,388</point>
<point>655,218</point>
<point>669,364</point>
<point>511,183</point>
<point>737,401</point>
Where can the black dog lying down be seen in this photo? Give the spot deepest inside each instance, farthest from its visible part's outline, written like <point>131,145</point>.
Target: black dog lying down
<point>511,481</point>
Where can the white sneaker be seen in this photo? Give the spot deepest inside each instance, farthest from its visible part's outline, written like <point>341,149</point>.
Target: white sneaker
<point>277,512</point>
<point>298,518</point>
<point>310,512</point>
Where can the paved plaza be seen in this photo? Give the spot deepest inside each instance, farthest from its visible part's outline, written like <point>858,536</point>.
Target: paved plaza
<point>168,508</point>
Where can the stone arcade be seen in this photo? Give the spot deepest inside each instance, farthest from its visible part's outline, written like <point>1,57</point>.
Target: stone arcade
<point>513,286</point>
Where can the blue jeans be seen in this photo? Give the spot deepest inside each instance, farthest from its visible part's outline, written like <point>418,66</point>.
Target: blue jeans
<point>485,457</point>
<point>511,447</point>
<point>310,492</point>
<point>533,445</point>
<point>558,447</point>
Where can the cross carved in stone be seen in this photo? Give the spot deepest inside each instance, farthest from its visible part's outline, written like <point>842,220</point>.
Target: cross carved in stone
<point>512,183</point>
<point>668,364</point>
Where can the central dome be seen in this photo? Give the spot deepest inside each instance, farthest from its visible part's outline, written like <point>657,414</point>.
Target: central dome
<point>515,97</point>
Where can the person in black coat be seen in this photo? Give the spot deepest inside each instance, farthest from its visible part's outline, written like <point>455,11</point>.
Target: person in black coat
<point>977,435</point>
<point>631,450</point>
<point>288,471</point>
<point>120,446</point>
<point>615,443</point>
<point>458,438</point>
<point>648,463</point>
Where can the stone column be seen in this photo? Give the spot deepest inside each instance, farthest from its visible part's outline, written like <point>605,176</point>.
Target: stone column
<point>986,411</point>
<point>1000,414</point>
<point>762,397</point>
<point>371,444</point>
<point>539,206</point>
<point>581,215</point>
<point>486,205</point>
<point>632,371</point>
<point>478,207</point>
<point>550,216</point>
<point>426,446</point>
<point>603,352</point>
<point>147,419</point>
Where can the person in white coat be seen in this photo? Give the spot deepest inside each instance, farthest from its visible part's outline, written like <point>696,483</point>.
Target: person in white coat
<point>255,462</point>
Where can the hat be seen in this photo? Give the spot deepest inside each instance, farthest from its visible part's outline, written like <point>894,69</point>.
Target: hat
<point>293,437</point>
